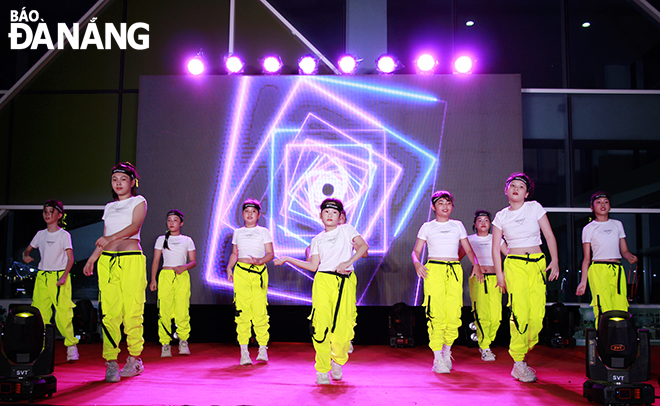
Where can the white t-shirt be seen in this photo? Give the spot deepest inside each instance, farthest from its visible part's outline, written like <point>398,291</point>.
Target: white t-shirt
<point>119,214</point>
<point>52,249</point>
<point>520,228</point>
<point>483,248</point>
<point>176,253</point>
<point>442,238</point>
<point>604,237</point>
<point>334,247</point>
<point>251,241</point>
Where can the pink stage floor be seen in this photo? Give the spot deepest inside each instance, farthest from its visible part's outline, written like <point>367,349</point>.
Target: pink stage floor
<point>375,375</point>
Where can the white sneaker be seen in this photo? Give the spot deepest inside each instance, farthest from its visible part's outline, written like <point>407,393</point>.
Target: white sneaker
<point>446,357</point>
<point>72,353</point>
<point>263,353</point>
<point>112,372</point>
<point>166,351</point>
<point>245,358</point>
<point>522,372</point>
<point>133,367</point>
<point>350,349</point>
<point>183,348</point>
<point>439,366</point>
<point>487,355</point>
<point>336,371</point>
<point>322,378</point>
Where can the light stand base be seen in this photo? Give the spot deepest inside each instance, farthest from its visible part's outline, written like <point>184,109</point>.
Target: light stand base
<point>34,387</point>
<point>609,393</point>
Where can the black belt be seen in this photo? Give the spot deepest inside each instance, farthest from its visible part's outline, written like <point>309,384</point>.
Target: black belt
<point>528,259</point>
<point>252,270</point>
<point>448,263</point>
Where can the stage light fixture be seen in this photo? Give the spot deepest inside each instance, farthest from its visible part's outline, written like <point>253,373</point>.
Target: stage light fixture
<point>586,24</point>
<point>463,64</point>
<point>272,65</point>
<point>234,64</point>
<point>308,65</point>
<point>426,64</point>
<point>196,64</point>
<point>469,23</point>
<point>26,359</point>
<point>618,360</point>
<point>387,64</point>
<point>348,64</point>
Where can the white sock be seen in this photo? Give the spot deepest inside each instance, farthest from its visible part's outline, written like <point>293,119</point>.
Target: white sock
<point>264,347</point>
<point>437,354</point>
<point>244,347</point>
<point>446,347</point>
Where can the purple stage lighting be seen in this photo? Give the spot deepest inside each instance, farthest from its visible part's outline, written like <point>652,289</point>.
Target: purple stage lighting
<point>272,65</point>
<point>386,64</point>
<point>234,64</point>
<point>426,64</point>
<point>195,66</point>
<point>463,65</point>
<point>308,65</point>
<point>348,64</point>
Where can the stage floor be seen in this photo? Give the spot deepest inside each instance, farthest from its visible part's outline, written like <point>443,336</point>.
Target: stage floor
<point>375,375</point>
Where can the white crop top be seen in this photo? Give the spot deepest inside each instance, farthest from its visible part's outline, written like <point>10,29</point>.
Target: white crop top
<point>119,214</point>
<point>334,247</point>
<point>176,253</point>
<point>483,248</point>
<point>442,238</point>
<point>520,228</point>
<point>52,249</point>
<point>251,241</point>
<point>604,237</point>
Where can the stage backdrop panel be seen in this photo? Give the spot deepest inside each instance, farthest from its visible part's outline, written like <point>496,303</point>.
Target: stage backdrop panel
<point>382,144</point>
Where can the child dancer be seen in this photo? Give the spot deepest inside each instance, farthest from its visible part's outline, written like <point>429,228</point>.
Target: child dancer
<point>179,255</point>
<point>485,295</point>
<point>122,273</point>
<point>53,284</point>
<point>606,238</point>
<point>521,225</point>
<point>333,291</point>
<point>443,277</point>
<point>252,249</point>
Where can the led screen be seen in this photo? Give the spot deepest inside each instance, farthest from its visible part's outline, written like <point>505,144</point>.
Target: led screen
<point>381,144</point>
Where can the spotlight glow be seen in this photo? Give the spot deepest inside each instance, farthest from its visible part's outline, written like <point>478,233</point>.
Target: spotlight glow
<point>463,65</point>
<point>469,23</point>
<point>386,64</point>
<point>272,64</point>
<point>195,66</point>
<point>348,64</point>
<point>586,24</point>
<point>234,64</point>
<point>425,64</point>
<point>308,65</point>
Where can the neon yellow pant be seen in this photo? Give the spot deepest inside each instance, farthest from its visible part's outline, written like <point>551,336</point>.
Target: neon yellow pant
<point>333,318</point>
<point>443,291</point>
<point>47,294</point>
<point>486,308</point>
<point>525,282</point>
<point>609,290</point>
<point>251,302</point>
<point>173,303</point>
<point>122,284</point>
